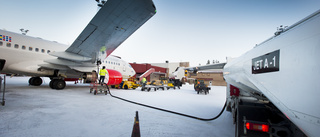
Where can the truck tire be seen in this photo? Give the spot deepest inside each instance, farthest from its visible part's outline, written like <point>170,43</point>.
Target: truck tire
<point>95,92</point>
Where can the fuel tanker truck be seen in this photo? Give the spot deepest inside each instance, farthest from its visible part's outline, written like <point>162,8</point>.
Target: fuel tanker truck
<point>273,90</point>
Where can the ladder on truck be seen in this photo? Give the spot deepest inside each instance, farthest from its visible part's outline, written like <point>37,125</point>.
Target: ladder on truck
<point>147,73</point>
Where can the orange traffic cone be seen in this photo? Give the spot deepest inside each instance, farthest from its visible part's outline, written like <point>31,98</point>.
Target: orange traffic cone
<point>136,127</point>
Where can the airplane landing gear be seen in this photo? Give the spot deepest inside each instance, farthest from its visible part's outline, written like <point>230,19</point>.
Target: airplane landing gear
<point>57,84</point>
<point>35,81</point>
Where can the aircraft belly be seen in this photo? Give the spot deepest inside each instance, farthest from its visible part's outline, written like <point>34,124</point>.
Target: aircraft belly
<point>29,68</point>
<point>22,63</point>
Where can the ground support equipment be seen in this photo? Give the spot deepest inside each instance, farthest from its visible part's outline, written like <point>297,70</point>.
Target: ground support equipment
<point>200,87</point>
<point>149,87</point>
<point>95,87</point>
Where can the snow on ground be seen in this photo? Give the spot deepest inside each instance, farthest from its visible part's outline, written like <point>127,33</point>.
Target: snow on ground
<point>74,112</point>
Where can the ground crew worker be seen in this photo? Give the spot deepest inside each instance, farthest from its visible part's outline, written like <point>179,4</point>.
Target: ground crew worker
<point>143,81</point>
<point>103,72</point>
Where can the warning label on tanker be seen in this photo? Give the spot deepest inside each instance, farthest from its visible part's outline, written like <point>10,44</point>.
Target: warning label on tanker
<point>266,63</point>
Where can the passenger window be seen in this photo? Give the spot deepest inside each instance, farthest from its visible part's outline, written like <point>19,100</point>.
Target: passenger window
<point>1,43</point>
<point>23,47</point>
<point>37,49</point>
<point>8,44</point>
<point>16,46</point>
<point>30,48</point>
<point>48,51</point>
<point>43,51</point>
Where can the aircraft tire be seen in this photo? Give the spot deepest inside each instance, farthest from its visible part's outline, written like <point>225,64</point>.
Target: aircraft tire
<point>35,81</point>
<point>30,81</point>
<point>59,84</point>
<point>51,84</point>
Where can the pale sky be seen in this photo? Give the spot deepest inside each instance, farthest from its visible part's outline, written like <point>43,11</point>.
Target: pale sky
<point>192,31</point>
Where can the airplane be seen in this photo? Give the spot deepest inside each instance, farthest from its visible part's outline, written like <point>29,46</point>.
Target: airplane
<point>114,22</point>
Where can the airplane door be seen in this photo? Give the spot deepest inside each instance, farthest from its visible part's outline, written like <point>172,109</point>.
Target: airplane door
<point>2,62</point>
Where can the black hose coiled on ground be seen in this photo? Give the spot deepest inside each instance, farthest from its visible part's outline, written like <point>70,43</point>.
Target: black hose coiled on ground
<point>169,111</point>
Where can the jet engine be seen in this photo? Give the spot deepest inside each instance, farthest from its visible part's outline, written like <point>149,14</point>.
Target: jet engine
<point>115,77</point>
<point>112,78</point>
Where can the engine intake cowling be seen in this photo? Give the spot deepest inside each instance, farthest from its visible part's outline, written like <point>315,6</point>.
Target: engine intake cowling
<point>114,77</point>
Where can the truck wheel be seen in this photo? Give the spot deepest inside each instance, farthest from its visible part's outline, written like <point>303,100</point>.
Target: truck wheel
<point>125,86</point>
<point>197,89</point>
<point>95,92</point>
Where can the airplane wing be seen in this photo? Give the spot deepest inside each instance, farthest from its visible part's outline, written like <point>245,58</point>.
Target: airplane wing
<point>206,67</point>
<point>112,25</point>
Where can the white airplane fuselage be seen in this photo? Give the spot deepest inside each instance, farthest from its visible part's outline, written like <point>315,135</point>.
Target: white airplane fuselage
<point>24,55</point>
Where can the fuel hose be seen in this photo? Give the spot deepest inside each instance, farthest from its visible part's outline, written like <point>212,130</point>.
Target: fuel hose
<point>169,111</point>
